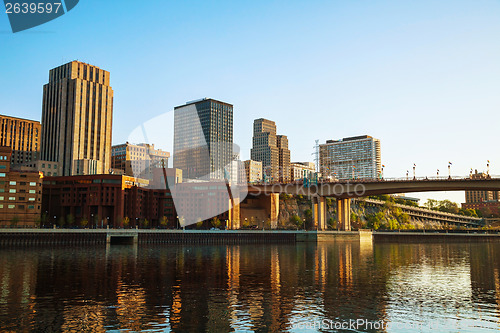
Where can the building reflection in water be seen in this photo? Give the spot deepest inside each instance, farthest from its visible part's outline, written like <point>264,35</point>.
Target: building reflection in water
<point>245,287</point>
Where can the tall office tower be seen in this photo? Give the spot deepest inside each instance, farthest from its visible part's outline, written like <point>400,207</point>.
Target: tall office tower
<point>203,139</point>
<point>270,149</point>
<point>488,202</point>
<point>138,160</point>
<point>77,115</point>
<point>480,196</point>
<point>355,157</point>
<point>284,158</point>
<point>23,136</point>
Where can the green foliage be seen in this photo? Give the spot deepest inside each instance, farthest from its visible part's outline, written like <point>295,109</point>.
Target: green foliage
<point>199,224</point>
<point>246,223</point>
<point>126,221</point>
<point>284,196</point>
<point>70,220</point>
<point>164,221</point>
<point>145,223</point>
<point>393,224</point>
<point>328,202</point>
<point>84,222</point>
<point>332,223</point>
<point>14,221</point>
<point>216,222</point>
<point>296,221</point>
<point>61,222</point>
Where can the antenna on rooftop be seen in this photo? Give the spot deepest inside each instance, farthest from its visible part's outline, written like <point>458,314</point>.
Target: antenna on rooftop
<point>316,155</point>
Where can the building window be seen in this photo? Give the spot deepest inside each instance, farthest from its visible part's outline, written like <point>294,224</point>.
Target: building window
<point>31,183</point>
<point>31,207</point>
<point>32,191</point>
<point>11,206</point>
<point>12,198</point>
<point>12,182</point>
<point>2,174</point>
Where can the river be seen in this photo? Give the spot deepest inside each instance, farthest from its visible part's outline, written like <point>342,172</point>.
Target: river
<point>343,285</point>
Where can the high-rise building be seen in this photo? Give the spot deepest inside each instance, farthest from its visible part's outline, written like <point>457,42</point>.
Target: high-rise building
<point>270,149</point>
<point>356,157</point>
<point>138,160</point>
<point>23,136</point>
<point>20,193</point>
<point>77,115</point>
<point>283,158</point>
<point>488,202</point>
<point>203,139</point>
<point>253,171</point>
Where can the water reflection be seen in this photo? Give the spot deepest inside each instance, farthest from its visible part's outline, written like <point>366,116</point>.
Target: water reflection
<point>251,287</point>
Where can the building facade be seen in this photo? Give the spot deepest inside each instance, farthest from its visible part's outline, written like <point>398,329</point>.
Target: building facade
<point>253,171</point>
<point>23,136</point>
<point>203,138</point>
<point>97,201</point>
<point>77,115</point>
<point>299,170</point>
<point>486,201</point>
<point>138,160</point>
<point>351,158</point>
<point>283,158</point>
<point>270,149</point>
<point>20,194</point>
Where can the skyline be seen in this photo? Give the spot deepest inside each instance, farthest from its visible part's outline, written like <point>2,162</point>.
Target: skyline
<point>411,75</point>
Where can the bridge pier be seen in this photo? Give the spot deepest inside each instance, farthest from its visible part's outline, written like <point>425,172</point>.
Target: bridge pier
<point>344,214</point>
<point>319,212</point>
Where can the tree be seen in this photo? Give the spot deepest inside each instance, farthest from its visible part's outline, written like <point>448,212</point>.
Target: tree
<point>70,219</point>
<point>14,221</point>
<point>61,222</point>
<point>84,222</point>
<point>448,207</point>
<point>245,223</point>
<point>332,223</point>
<point>199,224</point>
<point>215,222</point>
<point>296,221</point>
<point>308,217</point>
<point>145,223</point>
<point>126,222</point>
<point>431,204</point>
<point>163,221</point>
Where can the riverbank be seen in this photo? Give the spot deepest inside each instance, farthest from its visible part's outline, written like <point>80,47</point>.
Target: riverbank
<point>65,237</point>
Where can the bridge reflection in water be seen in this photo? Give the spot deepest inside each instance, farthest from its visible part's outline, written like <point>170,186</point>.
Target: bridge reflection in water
<point>247,287</point>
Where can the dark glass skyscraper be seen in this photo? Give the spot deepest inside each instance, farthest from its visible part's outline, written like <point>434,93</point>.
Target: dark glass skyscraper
<point>203,139</point>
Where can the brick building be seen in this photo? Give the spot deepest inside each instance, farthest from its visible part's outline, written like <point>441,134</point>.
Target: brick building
<point>20,193</point>
<point>23,136</point>
<point>104,200</point>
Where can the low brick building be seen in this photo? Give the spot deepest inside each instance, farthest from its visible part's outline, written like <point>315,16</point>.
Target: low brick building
<point>105,200</point>
<point>20,194</point>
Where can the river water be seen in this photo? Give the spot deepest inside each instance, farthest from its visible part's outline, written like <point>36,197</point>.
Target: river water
<point>266,288</point>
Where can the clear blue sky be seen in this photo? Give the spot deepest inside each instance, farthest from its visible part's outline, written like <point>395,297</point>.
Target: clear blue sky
<point>422,76</point>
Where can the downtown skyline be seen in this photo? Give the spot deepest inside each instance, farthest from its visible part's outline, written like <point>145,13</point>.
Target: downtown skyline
<point>422,78</point>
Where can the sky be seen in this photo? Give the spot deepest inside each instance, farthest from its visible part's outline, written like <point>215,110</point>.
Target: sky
<point>421,76</point>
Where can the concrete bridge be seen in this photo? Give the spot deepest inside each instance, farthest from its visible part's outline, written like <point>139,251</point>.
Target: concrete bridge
<point>344,191</point>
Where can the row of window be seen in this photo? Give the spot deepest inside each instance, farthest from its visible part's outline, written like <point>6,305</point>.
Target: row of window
<point>18,206</point>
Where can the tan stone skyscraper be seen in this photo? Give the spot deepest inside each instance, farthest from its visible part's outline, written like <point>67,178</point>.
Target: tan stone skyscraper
<point>77,115</point>
<point>271,150</point>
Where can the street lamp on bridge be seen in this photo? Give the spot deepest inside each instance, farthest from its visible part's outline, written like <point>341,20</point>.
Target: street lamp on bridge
<point>437,173</point>
<point>414,166</point>
<point>449,170</point>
